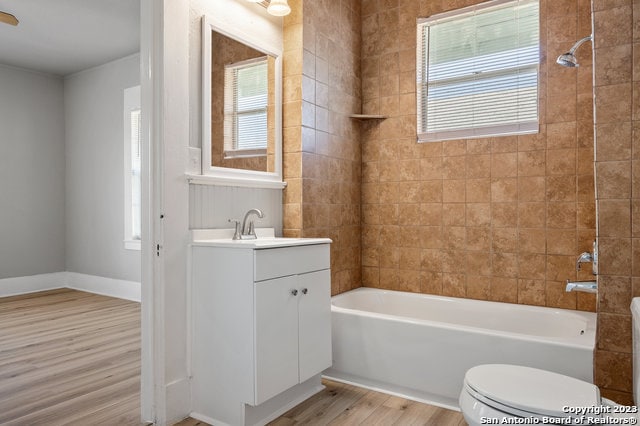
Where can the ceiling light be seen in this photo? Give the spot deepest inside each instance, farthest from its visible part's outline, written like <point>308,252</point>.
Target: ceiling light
<point>274,7</point>
<point>279,8</point>
<point>8,18</point>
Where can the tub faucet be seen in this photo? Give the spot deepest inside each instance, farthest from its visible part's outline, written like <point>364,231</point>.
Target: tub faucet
<point>249,231</point>
<point>584,286</point>
<point>585,257</point>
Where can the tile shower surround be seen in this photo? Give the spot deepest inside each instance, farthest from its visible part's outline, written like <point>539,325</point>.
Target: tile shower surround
<point>500,218</point>
<point>617,77</point>
<point>322,154</point>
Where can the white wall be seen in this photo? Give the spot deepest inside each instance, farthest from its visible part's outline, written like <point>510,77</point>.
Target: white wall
<point>93,110</point>
<point>32,169</point>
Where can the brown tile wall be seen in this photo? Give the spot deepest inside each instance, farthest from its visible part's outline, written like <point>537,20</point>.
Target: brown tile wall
<point>321,143</point>
<point>500,219</point>
<point>617,121</point>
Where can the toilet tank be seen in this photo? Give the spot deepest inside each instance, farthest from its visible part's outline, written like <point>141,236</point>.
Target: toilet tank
<point>635,313</point>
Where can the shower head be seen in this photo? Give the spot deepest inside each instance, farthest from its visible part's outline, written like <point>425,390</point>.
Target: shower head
<point>569,59</point>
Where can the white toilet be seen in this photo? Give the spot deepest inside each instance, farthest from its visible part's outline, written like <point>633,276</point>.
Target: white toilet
<point>512,394</point>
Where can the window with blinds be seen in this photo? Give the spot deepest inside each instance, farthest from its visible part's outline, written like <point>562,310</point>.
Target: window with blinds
<point>477,71</point>
<point>136,184</point>
<point>245,108</point>
<point>132,169</point>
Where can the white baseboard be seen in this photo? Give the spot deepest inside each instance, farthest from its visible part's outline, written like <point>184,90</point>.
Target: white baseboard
<point>178,397</point>
<point>129,290</point>
<point>32,284</point>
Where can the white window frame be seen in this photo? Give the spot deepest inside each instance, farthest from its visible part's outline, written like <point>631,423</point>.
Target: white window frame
<point>131,104</point>
<point>422,82</point>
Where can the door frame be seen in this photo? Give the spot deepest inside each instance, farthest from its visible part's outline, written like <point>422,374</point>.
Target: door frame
<point>152,393</point>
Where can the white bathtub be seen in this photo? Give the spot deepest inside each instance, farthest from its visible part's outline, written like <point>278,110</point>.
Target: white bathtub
<point>420,346</point>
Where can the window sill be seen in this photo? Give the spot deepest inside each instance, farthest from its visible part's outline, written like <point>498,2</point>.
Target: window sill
<point>132,244</point>
<point>244,153</point>
<point>246,182</point>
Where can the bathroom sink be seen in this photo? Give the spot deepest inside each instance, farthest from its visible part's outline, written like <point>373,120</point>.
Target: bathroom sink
<point>265,239</point>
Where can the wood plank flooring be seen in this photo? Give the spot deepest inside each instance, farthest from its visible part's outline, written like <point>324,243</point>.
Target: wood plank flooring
<point>73,358</point>
<point>69,358</point>
<point>345,405</point>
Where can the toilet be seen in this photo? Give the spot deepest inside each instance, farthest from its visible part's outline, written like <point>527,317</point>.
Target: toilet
<point>514,394</point>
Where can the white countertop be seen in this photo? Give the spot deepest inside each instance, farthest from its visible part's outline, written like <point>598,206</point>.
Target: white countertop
<point>266,239</point>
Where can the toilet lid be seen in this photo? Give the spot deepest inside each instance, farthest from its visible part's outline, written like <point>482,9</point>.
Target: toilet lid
<point>530,389</point>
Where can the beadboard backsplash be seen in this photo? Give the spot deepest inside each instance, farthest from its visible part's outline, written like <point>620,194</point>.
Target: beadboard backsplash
<point>213,206</point>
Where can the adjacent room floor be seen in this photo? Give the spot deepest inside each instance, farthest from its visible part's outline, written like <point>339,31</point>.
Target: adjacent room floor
<point>68,357</point>
<point>73,358</point>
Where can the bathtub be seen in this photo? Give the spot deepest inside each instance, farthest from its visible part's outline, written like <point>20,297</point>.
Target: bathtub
<point>420,346</point>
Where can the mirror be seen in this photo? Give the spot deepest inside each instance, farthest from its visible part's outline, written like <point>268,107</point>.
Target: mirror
<point>242,104</point>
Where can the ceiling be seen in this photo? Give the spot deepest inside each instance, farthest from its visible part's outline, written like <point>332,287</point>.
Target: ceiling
<point>66,36</point>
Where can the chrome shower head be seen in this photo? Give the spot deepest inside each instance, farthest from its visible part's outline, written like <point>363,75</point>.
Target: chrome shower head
<point>569,59</point>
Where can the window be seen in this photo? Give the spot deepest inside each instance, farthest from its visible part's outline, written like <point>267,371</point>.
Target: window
<point>477,71</point>
<point>132,162</point>
<point>245,108</point>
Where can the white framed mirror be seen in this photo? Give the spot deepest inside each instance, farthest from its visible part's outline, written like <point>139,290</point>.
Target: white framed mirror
<point>241,107</point>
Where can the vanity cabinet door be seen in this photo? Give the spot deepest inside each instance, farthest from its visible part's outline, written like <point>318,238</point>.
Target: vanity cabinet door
<point>314,314</point>
<point>276,336</point>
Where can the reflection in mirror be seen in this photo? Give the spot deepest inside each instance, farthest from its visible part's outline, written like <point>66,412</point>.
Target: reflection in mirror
<point>242,106</point>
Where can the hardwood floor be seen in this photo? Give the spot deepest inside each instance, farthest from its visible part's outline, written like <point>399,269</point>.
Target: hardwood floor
<point>69,358</point>
<point>73,358</point>
<point>344,405</point>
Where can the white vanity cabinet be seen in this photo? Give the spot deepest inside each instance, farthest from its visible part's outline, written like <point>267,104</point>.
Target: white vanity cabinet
<point>293,326</point>
<point>261,328</point>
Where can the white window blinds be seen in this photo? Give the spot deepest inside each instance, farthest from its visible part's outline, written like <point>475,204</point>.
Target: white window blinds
<point>477,71</point>
<point>132,168</point>
<point>245,107</point>
<point>136,190</point>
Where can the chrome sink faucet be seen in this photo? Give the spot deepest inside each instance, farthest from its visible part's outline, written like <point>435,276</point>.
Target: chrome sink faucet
<point>246,230</point>
<point>249,231</point>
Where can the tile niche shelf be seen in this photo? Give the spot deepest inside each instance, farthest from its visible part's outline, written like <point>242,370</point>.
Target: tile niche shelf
<point>368,116</point>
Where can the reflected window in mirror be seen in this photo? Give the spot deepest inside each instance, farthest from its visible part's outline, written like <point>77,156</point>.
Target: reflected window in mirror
<point>243,103</point>
<point>246,102</point>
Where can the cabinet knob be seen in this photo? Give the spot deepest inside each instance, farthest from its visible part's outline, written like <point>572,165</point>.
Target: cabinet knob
<point>294,292</point>
<point>305,291</point>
